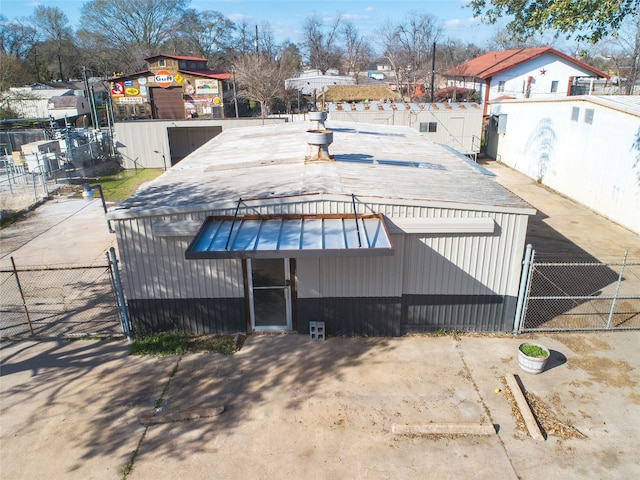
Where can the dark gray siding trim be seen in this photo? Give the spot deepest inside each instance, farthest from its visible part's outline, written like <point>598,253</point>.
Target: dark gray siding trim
<point>352,316</point>
<point>469,313</point>
<point>343,316</point>
<point>394,316</point>
<point>189,315</point>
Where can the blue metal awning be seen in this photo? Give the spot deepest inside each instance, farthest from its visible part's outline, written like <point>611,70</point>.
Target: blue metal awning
<point>291,236</point>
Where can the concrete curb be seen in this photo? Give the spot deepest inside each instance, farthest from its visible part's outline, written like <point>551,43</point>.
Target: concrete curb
<point>523,406</point>
<point>444,429</point>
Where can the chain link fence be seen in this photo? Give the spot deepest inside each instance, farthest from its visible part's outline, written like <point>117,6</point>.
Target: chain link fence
<point>67,301</point>
<point>579,295</point>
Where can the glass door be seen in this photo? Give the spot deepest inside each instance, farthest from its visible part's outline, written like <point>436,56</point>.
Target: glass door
<point>270,294</point>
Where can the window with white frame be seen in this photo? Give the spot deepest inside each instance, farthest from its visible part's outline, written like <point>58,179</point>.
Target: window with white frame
<point>501,85</point>
<point>554,86</point>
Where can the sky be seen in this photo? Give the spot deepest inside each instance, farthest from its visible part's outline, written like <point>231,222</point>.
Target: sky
<point>287,17</point>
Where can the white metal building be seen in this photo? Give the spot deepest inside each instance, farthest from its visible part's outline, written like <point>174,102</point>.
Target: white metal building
<point>587,148</point>
<point>260,231</point>
<point>457,125</point>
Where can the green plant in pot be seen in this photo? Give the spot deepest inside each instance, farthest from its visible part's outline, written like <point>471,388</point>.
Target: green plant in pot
<point>532,358</point>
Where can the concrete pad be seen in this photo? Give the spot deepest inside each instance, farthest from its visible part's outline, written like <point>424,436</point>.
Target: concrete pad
<point>61,231</point>
<point>69,410</point>
<point>591,381</point>
<point>301,409</point>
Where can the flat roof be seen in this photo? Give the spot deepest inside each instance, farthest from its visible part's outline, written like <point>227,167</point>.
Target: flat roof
<point>268,162</point>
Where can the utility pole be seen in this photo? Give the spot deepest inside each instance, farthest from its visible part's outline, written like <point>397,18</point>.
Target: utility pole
<point>256,40</point>
<point>235,96</point>
<point>433,70</point>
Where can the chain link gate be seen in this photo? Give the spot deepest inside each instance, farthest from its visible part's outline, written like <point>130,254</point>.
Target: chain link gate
<point>66,301</point>
<point>577,296</point>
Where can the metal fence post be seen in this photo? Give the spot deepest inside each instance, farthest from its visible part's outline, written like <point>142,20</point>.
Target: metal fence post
<point>522,291</point>
<point>119,292</point>
<point>24,302</point>
<point>615,295</point>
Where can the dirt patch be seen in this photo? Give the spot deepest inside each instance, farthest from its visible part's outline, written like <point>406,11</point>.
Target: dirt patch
<point>582,343</point>
<point>605,371</point>
<point>548,421</point>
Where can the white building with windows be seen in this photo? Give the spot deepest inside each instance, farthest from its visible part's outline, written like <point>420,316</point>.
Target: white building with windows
<point>522,73</point>
<point>584,147</point>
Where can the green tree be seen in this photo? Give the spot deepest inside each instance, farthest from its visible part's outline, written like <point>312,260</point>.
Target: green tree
<point>584,19</point>
<point>13,72</point>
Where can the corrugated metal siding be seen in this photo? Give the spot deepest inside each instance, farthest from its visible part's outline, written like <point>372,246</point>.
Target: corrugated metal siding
<point>472,263</point>
<point>433,281</point>
<point>162,260</point>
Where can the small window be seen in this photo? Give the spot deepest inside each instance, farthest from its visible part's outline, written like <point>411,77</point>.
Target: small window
<point>161,62</point>
<point>501,86</point>
<point>132,109</point>
<point>122,110</point>
<point>182,65</point>
<point>430,127</point>
<point>554,86</point>
<point>575,114</point>
<point>588,116</point>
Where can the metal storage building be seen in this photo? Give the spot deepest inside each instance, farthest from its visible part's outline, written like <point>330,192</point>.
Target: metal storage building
<point>259,231</point>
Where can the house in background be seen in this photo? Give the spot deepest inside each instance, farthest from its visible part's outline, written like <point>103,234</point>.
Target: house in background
<point>523,73</point>
<point>34,101</point>
<point>173,87</point>
<point>584,147</point>
<point>269,228</point>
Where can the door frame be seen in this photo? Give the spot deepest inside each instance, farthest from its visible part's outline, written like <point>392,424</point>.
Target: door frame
<point>286,264</point>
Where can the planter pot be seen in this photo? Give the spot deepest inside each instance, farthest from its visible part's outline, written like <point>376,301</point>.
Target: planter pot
<point>533,365</point>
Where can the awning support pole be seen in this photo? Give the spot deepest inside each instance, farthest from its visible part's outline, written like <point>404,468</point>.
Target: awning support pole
<point>355,215</point>
<point>235,215</point>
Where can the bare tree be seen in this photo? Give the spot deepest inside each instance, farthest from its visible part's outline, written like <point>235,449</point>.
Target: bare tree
<point>206,34</point>
<point>320,41</point>
<point>135,29</point>
<point>266,41</point>
<point>260,79</point>
<point>623,51</point>
<point>417,35</point>
<point>245,41</point>
<point>389,41</point>
<point>58,37</point>
<point>16,38</point>
<point>357,51</point>
<point>503,40</point>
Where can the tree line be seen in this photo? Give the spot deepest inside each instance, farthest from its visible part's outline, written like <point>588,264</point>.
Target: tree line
<point>114,36</point>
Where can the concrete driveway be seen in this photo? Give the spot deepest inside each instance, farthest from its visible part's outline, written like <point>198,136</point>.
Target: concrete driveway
<point>300,409</point>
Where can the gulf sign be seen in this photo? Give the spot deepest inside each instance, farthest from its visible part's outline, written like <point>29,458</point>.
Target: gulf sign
<point>164,78</point>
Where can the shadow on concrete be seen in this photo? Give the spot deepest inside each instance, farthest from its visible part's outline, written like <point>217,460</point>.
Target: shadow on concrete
<point>556,359</point>
<point>112,389</point>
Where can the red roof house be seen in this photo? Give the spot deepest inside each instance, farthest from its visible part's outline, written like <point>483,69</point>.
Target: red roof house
<point>521,73</point>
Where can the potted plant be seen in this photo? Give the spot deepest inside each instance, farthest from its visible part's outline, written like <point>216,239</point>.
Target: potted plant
<point>532,357</point>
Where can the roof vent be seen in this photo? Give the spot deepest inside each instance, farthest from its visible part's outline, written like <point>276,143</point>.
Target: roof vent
<point>319,138</point>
